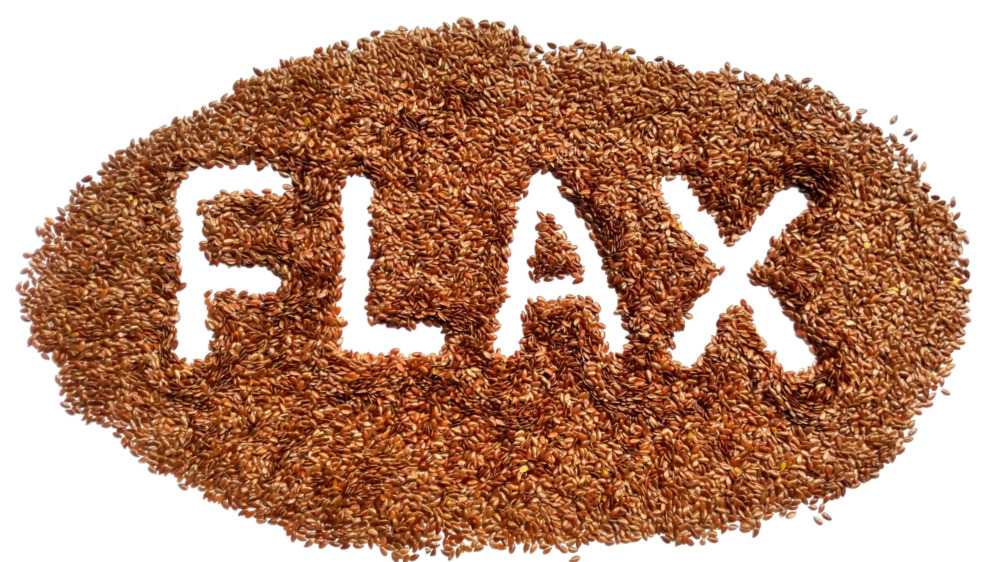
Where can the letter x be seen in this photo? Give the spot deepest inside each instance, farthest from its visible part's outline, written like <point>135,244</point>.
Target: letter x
<point>733,285</point>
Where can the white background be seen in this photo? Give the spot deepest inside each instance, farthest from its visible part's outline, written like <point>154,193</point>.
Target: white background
<point>80,81</point>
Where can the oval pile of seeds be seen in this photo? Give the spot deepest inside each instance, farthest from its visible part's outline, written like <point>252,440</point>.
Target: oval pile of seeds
<point>555,256</point>
<point>562,443</point>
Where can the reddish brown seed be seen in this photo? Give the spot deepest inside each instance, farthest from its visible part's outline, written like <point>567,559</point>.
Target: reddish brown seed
<point>462,448</point>
<point>555,257</point>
